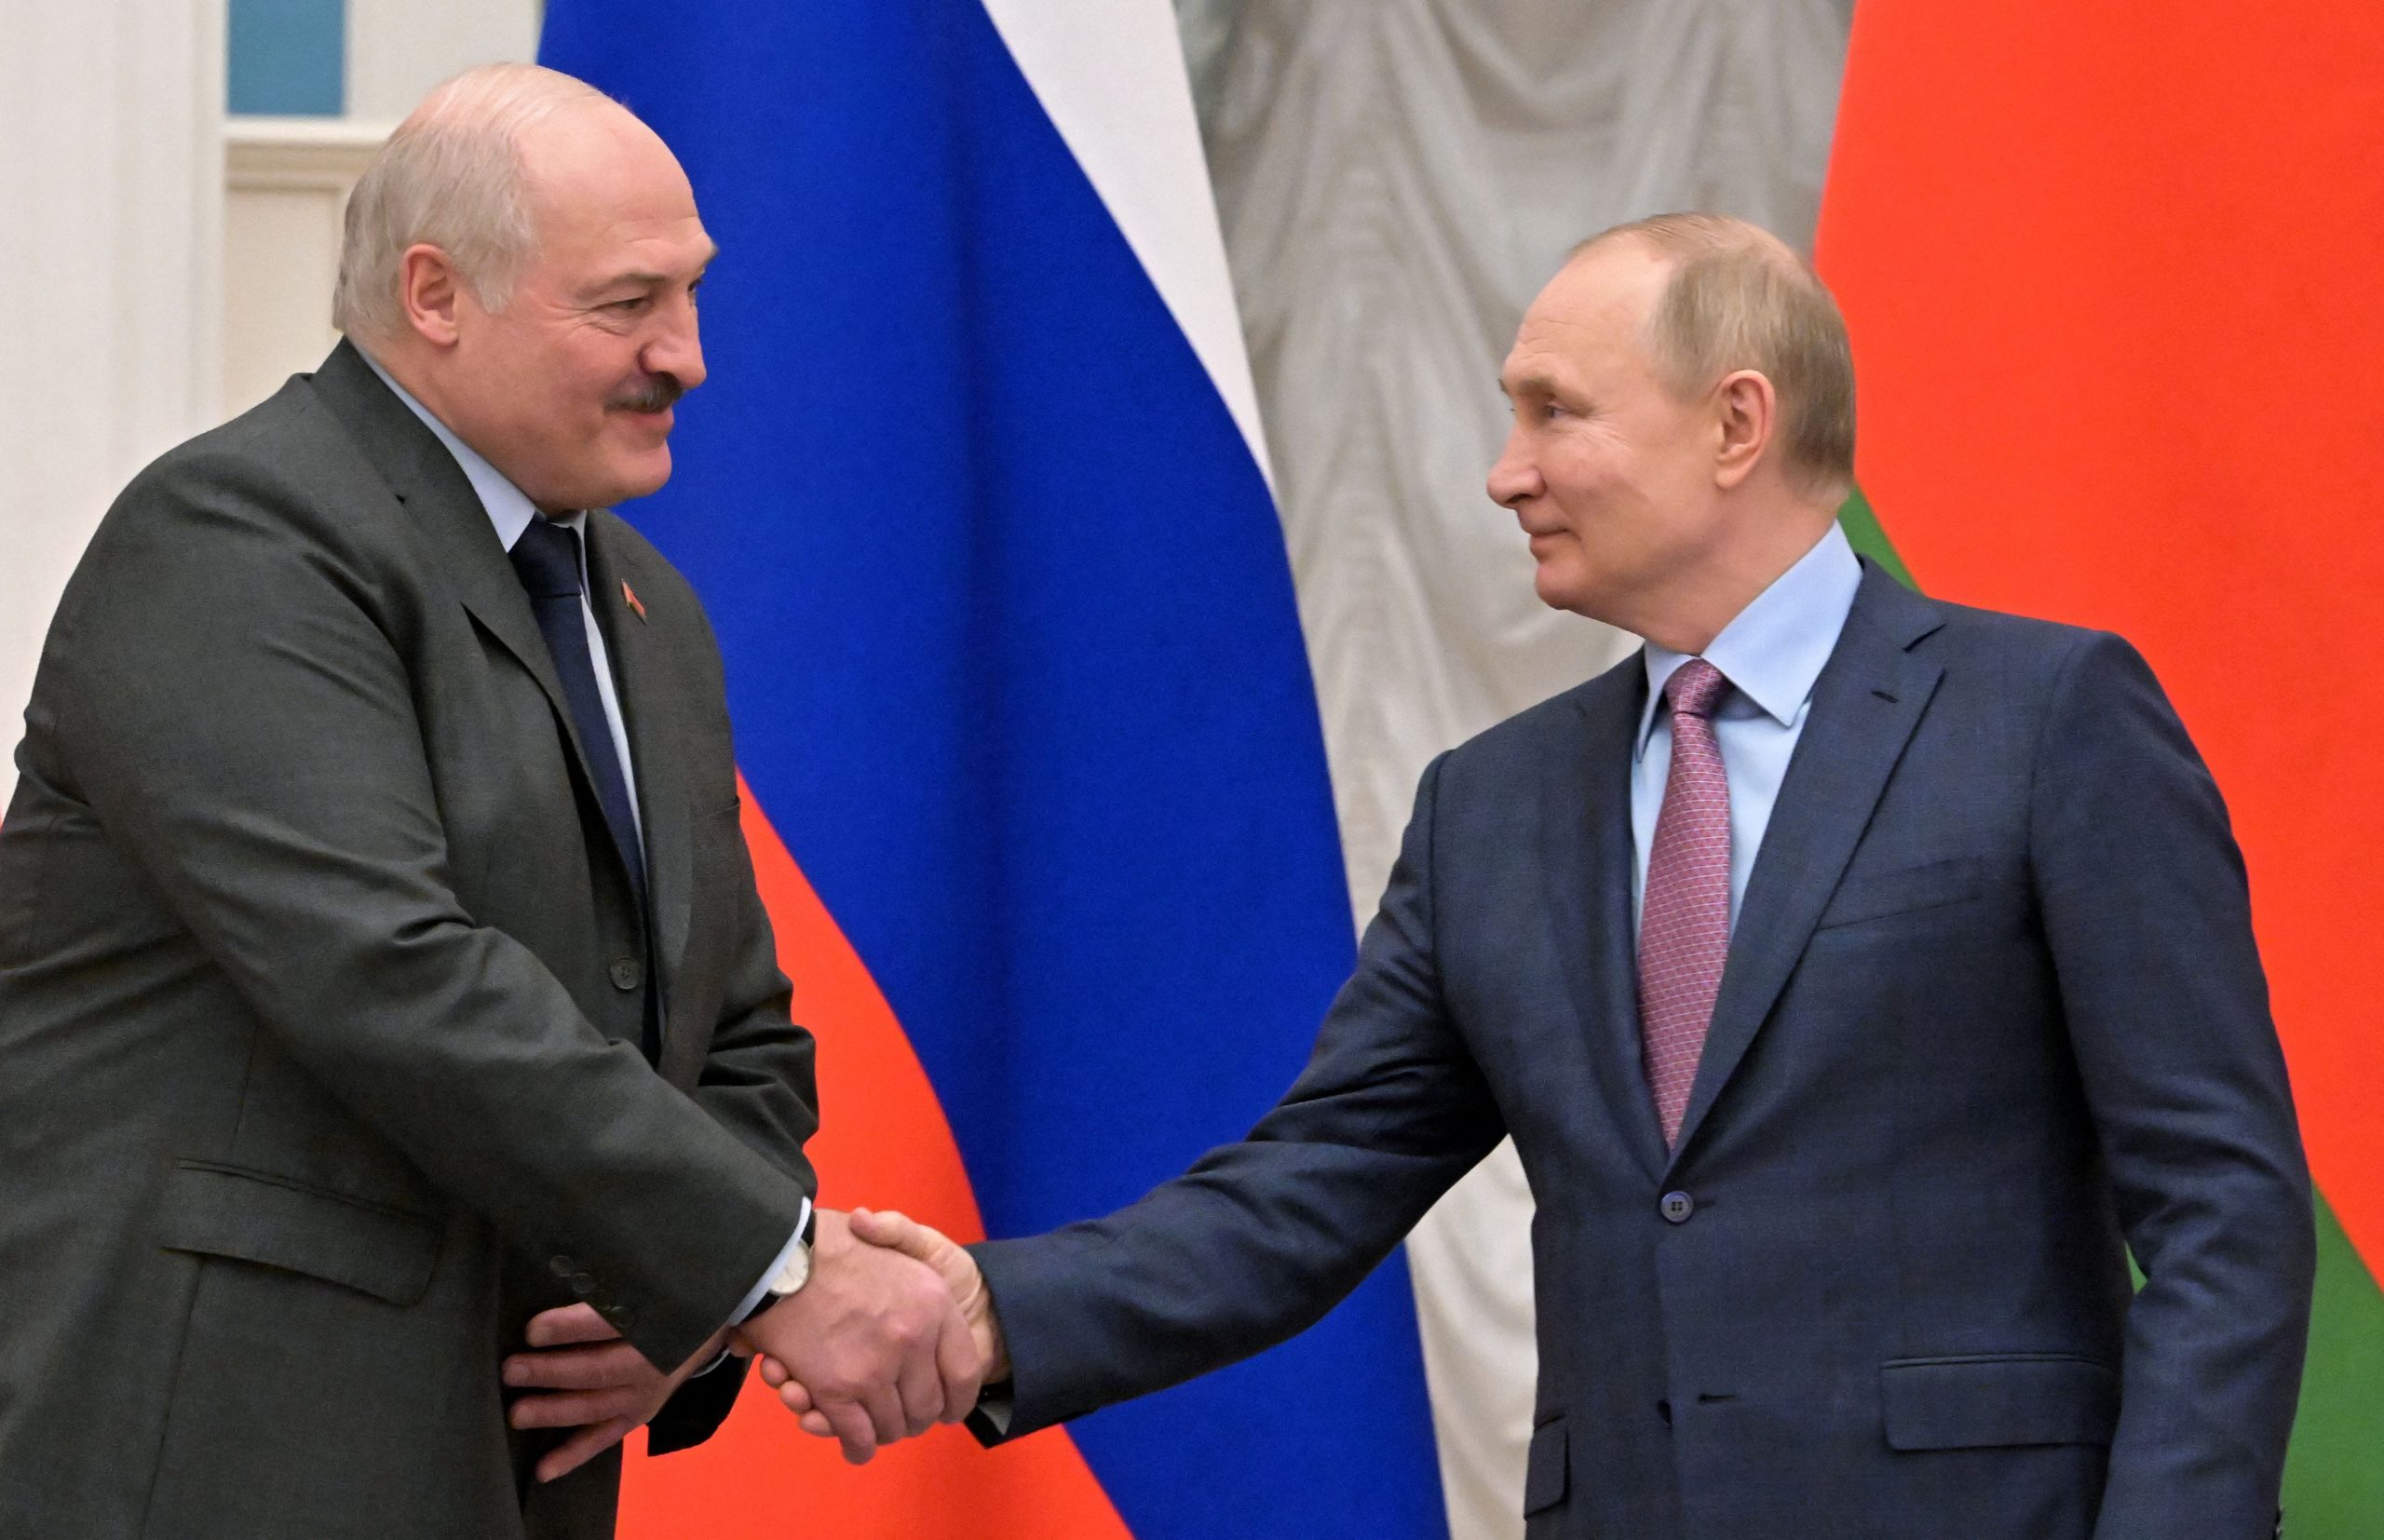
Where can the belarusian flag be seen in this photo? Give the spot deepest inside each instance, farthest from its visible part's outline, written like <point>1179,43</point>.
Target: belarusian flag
<point>2111,274</point>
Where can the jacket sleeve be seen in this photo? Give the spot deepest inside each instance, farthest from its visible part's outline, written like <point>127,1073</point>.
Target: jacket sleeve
<point>2148,912</point>
<point>694,1411</point>
<point>238,713</point>
<point>759,1078</point>
<point>1262,1237</point>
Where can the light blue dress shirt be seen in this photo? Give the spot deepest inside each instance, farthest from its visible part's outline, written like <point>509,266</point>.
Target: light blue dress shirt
<point>509,508</point>
<point>1771,652</point>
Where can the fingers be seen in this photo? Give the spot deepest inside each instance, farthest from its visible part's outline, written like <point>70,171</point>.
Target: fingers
<point>774,1374</point>
<point>960,1365</point>
<point>919,1387</point>
<point>886,1418</point>
<point>577,1408</point>
<point>570,1323</point>
<point>851,1427</point>
<point>896,1232</point>
<point>615,1363</point>
<point>582,1446</point>
<point>817,1424</point>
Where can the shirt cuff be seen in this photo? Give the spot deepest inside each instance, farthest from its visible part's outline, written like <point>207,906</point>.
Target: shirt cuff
<point>761,1285</point>
<point>996,1408</point>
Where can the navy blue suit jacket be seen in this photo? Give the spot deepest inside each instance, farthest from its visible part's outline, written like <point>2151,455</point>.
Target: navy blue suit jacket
<point>1992,1016</point>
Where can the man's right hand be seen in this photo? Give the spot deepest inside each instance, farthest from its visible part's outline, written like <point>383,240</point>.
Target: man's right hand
<point>967,1286</point>
<point>876,1338</point>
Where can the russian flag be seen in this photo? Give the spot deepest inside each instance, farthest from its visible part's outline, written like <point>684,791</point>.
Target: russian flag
<point>1035,782</point>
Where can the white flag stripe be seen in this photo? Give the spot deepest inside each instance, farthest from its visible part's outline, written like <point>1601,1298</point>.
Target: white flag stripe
<point>1110,74</point>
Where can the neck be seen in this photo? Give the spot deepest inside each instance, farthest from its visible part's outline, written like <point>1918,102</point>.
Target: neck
<point>411,370</point>
<point>1723,582</point>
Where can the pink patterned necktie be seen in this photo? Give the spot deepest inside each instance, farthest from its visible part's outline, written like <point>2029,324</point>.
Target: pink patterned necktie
<point>1685,921</point>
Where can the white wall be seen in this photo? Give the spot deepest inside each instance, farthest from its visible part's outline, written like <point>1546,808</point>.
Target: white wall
<point>287,177</point>
<point>396,50</point>
<point>111,210</point>
<point>163,273</point>
<point>286,181</point>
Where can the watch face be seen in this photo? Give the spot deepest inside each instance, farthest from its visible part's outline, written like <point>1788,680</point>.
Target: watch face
<point>795,1273</point>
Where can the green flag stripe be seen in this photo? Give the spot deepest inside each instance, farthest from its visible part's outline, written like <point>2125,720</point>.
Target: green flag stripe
<point>1863,528</point>
<point>2334,1474</point>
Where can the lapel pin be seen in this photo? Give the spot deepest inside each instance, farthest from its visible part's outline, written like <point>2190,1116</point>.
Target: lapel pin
<point>629,596</point>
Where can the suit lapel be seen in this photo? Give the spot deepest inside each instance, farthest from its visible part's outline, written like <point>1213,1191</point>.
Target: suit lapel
<point>1588,864</point>
<point>436,492</point>
<point>647,700</point>
<point>1866,705</point>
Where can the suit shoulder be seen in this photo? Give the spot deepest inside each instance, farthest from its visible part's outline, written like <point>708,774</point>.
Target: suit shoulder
<point>2022,646</point>
<point>285,461</point>
<point>278,491</point>
<point>1551,726</point>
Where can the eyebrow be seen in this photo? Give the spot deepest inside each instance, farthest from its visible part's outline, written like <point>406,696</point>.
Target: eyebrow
<point>1529,385</point>
<point>645,279</point>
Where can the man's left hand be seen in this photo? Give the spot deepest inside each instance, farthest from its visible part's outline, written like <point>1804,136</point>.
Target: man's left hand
<point>580,1375</point>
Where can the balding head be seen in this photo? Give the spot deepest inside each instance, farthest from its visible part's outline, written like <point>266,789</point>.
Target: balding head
<point>523,257</point>
<point>1738,297</point>
<point>453,176</point>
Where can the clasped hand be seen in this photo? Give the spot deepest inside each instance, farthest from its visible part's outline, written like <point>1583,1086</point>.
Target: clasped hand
<point>875,1342</point>
<point>814,1401</point>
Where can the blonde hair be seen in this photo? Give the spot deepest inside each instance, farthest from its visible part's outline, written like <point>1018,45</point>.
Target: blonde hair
<point>1739,298</point>
<point>453,177</point>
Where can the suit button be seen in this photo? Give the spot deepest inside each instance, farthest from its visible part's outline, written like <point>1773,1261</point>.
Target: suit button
<point>621,1316</point>
<point>583,1284</point>
<point>561,1266</point>
<point>1676,1206</point>
<point>627,975</point>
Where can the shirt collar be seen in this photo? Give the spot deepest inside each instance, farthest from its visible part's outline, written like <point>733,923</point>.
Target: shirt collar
<point>1774,650</point>
<point>508,506</point>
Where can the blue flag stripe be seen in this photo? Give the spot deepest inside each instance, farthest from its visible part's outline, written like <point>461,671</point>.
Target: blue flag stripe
<point>1016,669</point>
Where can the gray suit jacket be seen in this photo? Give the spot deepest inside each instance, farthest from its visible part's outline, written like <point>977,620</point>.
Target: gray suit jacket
<point>1992,1015</point>
<point>320,1004</point>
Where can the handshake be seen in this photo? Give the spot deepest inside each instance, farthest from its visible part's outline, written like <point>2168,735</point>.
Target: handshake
<point>893,1333</point>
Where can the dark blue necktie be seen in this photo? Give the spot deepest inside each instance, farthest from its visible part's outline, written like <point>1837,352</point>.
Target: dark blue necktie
<point>546,560</point>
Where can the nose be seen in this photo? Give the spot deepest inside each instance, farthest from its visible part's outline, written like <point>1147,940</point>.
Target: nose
<point>677,350</point>
<point>1515,476</point>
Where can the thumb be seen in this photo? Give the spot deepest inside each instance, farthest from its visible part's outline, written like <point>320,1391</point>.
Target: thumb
<point>897,1232</point>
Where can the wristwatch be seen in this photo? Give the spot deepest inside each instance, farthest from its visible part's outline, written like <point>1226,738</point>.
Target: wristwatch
<point>792,1274</point>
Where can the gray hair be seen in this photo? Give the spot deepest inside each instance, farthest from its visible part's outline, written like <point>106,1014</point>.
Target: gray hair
<point>453,177</point>
<point>1739,298</point>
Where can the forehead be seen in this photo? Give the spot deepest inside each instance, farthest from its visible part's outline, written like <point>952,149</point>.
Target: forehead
<point>604,187</point>
<point>1592,317</point>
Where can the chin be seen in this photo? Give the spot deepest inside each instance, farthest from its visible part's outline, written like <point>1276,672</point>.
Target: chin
<point>1557,588</point>
<point>642,479</point>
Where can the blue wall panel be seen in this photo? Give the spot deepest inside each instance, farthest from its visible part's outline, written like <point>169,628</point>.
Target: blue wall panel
<point>289,57</point>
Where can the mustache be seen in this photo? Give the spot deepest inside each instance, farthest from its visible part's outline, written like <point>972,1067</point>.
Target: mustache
<point>657,393</point>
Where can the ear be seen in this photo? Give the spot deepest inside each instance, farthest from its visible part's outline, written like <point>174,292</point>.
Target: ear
<point>1746,411</point>
<point>428,291</point>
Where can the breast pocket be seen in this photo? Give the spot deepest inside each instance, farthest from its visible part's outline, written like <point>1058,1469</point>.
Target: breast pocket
<point>1934,884</point>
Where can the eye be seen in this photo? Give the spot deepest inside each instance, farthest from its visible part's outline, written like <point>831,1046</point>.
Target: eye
<point>631,305</point>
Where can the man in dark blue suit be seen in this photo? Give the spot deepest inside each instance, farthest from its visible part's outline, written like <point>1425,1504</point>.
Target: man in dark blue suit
<point>1861,977</point>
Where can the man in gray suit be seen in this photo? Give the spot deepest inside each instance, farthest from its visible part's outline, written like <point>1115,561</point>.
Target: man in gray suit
<point>1862,978</point>
<point>382,977</point>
